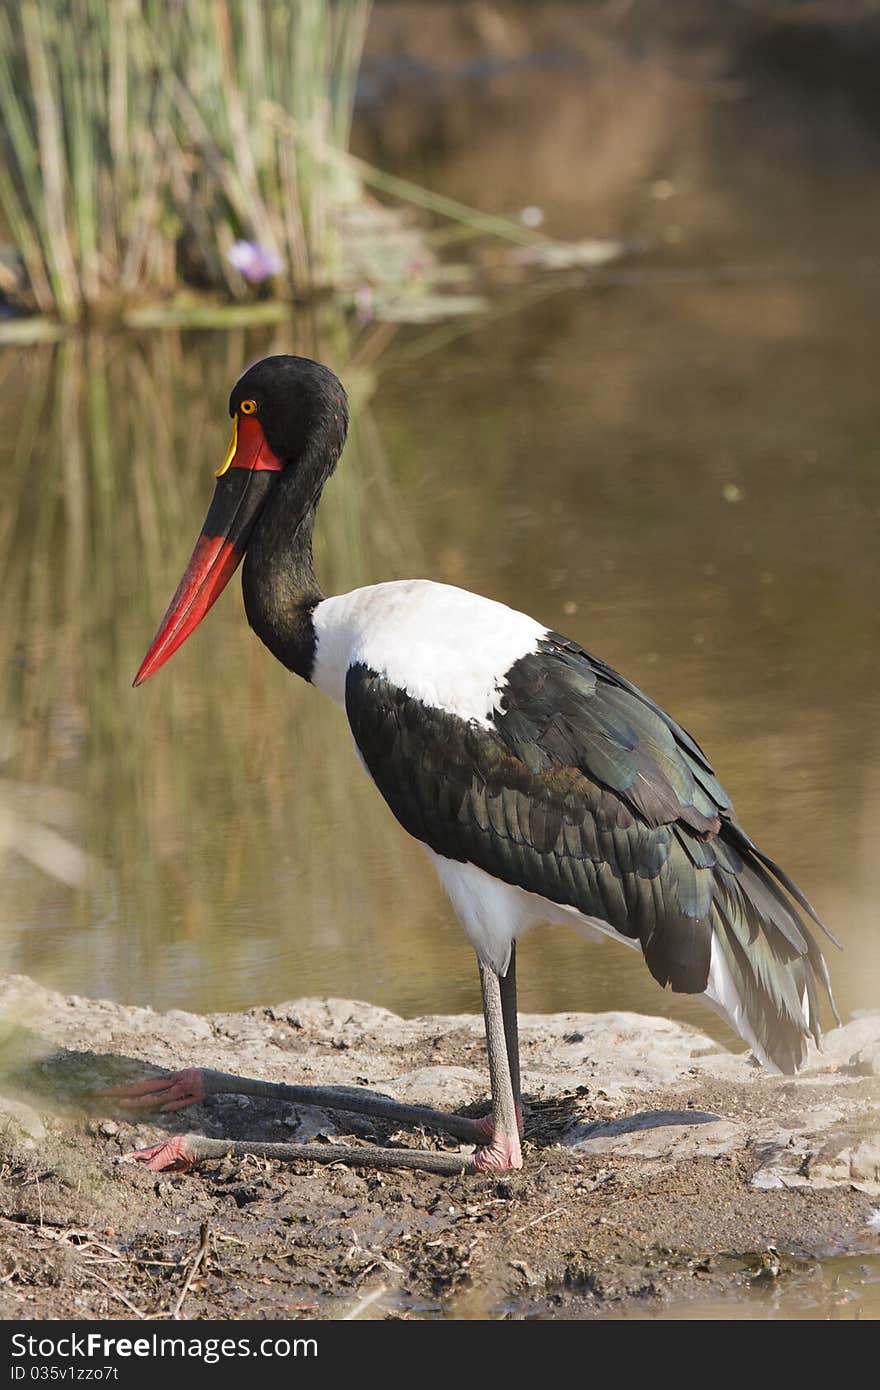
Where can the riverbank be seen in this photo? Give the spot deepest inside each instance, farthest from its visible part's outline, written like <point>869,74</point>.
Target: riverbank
<point>661,1171</point>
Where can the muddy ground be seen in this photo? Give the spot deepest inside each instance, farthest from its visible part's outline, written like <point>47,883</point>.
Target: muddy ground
<point>658,1168</point>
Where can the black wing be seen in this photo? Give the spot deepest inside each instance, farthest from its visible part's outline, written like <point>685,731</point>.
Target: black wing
<point>585,792</point>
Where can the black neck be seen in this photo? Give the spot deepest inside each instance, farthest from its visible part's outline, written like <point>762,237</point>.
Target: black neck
<point>278,579</point>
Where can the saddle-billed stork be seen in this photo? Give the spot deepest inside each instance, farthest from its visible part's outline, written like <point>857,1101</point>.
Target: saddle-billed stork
<point>543,785</point>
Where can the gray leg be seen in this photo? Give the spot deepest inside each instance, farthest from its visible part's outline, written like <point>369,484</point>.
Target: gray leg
<point>503,1150</point>
<point>186,1150</point>
<point>511,1031</point>
<point>180,1089</point>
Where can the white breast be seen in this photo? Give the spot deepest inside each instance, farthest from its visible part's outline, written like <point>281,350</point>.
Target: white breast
<point>444,646</point>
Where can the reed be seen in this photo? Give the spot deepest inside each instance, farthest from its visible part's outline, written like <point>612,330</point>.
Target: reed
<point>139,146</point>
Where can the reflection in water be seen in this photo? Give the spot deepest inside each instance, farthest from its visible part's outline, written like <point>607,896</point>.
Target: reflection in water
<point>203,803</point>
<point>682,475</point>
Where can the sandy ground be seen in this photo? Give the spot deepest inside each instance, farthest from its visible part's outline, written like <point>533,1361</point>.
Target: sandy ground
<point>658,1168</point>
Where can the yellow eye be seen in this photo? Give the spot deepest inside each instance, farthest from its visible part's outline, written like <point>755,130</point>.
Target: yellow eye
<point>248,407</point>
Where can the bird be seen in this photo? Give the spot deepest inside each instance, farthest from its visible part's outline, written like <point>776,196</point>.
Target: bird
<point>544,786</point>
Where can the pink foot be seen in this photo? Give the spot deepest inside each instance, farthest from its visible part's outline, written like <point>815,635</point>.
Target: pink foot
<point>500,1156</point>
<point>171,1154</point>
<point>485,1126</point>
<point>165,1093</point>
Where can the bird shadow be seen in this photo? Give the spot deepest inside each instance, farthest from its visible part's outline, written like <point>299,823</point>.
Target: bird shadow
<point>642,1120</point>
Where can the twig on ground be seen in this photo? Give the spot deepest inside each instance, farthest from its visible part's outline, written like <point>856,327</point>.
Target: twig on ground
<point>197,1260</point>
<point>536,1220</point>
<point>115,1293</point>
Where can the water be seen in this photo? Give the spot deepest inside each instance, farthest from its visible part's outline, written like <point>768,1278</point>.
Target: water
<point>843,1289</point>
<point>676,465</point>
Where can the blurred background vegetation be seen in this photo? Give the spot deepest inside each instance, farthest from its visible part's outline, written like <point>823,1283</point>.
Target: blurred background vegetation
<point>156,148</point>
<point>144,139</point>
<point>671,455</point>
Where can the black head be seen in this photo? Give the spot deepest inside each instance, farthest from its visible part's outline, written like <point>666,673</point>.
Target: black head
<point>300,405</point>
<point>289,421</point>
